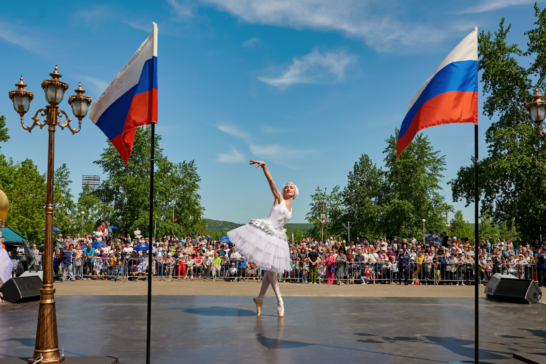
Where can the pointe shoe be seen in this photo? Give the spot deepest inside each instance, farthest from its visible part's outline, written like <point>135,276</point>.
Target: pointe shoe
<point>280,312</point>
<point>258,303</point>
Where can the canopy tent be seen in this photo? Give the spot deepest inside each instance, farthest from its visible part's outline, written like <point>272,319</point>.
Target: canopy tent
<point>15,240</point>
<point>12,236</point>
<point>225,239</point>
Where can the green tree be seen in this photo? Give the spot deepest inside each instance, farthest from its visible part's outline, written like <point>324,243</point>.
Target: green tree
<point>25,187</point>
<point>126,189</point>
<point>363,197</point>
<point>511,176</point>
<point>64,213</point>
<point>488,229</point>
<point>460,227</point>
<point>298,235</point>
<point>94,211</point>
<point>412,185</point>
<point>508,230</point>
<point>333,209</point>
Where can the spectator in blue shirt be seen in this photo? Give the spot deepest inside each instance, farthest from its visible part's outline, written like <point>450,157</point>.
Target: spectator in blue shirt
<point>242,268</point>
<point>66,260</point>
<point>89,256</point>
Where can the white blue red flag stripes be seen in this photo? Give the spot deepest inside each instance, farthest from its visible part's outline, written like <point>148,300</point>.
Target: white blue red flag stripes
<point>449,96</point>
<point>130,100</point>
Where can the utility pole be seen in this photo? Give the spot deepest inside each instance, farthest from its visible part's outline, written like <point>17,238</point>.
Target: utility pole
<point>348,232</point>
<point>323,216</point>
<point>447,220</point>
<point>173,217</point>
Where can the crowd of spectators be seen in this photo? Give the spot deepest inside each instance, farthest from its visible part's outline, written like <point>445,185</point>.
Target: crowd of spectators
<point>437,259</point>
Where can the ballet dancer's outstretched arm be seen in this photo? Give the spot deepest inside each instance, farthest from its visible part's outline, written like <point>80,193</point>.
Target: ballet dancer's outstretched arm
<point>276,193</point>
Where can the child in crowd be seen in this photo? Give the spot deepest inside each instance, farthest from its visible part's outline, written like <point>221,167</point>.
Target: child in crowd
<point>488,269</point>
<point>232,273</point>
<point>367,275</point>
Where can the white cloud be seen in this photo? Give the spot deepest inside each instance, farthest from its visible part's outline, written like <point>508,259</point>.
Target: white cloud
<point>272,129</point>
<point>279,154</point>
<point>315,67</point>
<point>234,131</point>
<point>97,84</point>
<point>352,17</point>
<point>97,14</point>
<point>234,157</point>
<point>251,43</point>
<point>183,8</point>
<point>21,36</point>
<point>139,25</point>
<point>492,5</point>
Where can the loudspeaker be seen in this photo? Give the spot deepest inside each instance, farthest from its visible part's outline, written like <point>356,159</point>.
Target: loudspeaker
<point>31,274</point>
<point>22,289</point>
<point>506,287</point>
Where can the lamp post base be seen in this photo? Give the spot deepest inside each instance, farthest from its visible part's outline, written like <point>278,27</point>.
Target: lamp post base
<point>69,360</point>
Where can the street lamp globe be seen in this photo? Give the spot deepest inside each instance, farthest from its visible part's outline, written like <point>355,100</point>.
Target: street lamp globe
<point>21,98</point>
<point>54,88</point>
<point>537,110</point>
<point>79,103</point>
<point>83,213</point>
<point>424,220</point>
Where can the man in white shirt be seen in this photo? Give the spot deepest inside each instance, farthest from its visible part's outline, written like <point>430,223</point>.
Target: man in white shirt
<point>210,252</point>
<point>161,250</point>
<point>128,249</point>
<point>235,257</point>
<point>435,237</point>
<point>137,233</point>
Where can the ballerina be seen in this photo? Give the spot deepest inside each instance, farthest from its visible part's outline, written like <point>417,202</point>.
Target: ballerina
<point>264,241</point>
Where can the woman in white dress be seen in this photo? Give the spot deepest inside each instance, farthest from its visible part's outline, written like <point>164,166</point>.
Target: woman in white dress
<point>264,241</point>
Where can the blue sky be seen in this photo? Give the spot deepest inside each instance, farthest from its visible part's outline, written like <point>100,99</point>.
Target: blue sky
<point>305,85</point>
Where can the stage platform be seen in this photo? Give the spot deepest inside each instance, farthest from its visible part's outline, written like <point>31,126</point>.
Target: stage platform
<point>225,329</point>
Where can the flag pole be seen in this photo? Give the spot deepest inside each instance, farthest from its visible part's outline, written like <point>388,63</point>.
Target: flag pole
<point>476,257</point>
<point>151,221</point>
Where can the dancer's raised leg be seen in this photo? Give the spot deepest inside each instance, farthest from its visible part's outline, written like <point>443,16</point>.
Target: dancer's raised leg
<point>275,285</point>
<point>259,301</point>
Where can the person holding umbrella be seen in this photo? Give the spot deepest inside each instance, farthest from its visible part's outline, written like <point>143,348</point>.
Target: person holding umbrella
<point>264,241</point>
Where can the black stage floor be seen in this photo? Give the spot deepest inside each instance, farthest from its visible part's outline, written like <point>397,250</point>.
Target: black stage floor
<point>224,329</point>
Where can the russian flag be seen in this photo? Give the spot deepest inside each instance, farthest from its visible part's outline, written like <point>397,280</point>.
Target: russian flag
<point>449,96</point>
<point>130,100</point>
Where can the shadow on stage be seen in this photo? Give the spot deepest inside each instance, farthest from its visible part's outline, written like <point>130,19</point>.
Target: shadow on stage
<point>216,311</point>
<point>453,344</point>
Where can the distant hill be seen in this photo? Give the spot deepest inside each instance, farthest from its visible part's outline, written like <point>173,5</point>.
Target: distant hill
<point>219,225</point>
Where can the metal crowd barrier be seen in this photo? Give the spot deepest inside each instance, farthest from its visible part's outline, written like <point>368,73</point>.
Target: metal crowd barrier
<point>426,273</point>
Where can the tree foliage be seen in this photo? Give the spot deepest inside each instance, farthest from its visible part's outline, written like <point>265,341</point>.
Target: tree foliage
<point>126,190</point>
<point>332,206</point>
<point>511,177</point>
<point>460,227</point>
<point>123,197</point>
<point>390,202</point>
<point>25,187</point>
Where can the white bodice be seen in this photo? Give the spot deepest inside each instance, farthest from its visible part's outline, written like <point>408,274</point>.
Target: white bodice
<point>274,224</point>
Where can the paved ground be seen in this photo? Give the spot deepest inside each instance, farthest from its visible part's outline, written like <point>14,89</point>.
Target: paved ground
<point>222,288</point>
<point>225,329</point>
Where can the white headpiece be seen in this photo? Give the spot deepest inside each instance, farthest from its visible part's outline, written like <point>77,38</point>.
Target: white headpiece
<point>296,187</point>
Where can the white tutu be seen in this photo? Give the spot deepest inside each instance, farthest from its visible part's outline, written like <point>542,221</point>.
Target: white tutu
<point>264,241</point>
